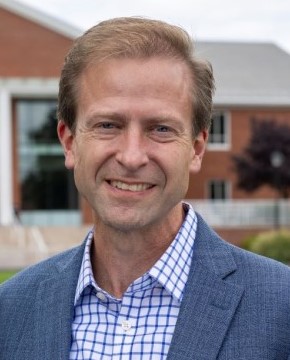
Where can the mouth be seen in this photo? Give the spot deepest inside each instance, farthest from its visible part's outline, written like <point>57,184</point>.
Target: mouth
<point>130,187</point>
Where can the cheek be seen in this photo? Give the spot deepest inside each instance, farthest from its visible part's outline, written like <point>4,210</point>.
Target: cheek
<point>89,160</point>
<point>178,166</point>
<point>80,159</point>
<point>184,166</point>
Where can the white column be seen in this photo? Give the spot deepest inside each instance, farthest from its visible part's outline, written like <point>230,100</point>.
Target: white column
<point>6,168</point>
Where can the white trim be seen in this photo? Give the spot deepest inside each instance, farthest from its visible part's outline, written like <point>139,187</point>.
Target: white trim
<point>228,128</point>
<point>251,99</point>
<point>242,213</point>
<point>6,173</point>
<point>218,147</point>
<point>41,87</point>
<point>40,18</point>
<point>9,89</point>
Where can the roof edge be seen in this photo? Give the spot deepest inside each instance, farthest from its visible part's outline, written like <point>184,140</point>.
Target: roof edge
<point>251,100</point>
<point>41,18</point>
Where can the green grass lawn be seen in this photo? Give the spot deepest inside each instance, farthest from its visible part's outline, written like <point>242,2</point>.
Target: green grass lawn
<point>6,274</point>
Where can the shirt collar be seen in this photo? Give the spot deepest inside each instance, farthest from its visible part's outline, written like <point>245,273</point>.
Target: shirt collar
<point>86,277</point>
<point>171,270</point>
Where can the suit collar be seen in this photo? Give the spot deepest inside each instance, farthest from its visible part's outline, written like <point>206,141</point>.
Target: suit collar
<point>212,252</point>
<point>55,312</point>
<point>210,301</point>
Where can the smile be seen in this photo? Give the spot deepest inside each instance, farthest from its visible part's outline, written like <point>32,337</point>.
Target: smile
<point>130,187</point>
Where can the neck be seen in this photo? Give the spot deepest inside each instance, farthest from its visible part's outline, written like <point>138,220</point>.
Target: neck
<point>119,258</point>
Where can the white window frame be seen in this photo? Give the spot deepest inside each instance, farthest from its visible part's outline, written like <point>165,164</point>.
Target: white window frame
<point>11,88</point>
<point>226,145</point>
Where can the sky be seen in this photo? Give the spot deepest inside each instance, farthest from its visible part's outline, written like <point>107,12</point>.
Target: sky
<point>220,20</point>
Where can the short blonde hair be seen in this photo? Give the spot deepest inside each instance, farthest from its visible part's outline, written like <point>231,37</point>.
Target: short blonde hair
<point>134,37</point>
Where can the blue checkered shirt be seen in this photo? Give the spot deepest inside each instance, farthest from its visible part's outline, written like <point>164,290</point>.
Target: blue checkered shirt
<point>141,324</point>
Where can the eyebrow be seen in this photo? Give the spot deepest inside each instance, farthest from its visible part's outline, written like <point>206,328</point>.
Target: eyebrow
<point>101,115</point>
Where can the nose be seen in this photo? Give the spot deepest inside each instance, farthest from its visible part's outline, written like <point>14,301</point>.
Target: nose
<point>132,150</point>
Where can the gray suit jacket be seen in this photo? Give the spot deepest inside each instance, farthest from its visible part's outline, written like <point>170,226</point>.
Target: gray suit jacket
<point>236,307</point>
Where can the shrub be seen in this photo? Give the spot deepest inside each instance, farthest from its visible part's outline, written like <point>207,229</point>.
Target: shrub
<point>5,275</point>
<point>273,244</point>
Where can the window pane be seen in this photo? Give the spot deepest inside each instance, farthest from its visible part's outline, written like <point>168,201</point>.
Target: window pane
<point>45,183</point>
<point>217,190</point>
<point>217,133</point>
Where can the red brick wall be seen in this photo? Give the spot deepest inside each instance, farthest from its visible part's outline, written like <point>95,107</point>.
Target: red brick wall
<point>218,164</point>
<point>28,49</point>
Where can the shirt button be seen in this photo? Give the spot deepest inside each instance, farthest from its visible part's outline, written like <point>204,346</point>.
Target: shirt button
<point>101,296</point>
<point>126,325</point>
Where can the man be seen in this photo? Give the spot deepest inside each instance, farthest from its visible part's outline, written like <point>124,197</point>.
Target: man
<point>151,280</point>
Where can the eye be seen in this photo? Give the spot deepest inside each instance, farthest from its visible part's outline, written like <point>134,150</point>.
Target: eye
<point>106,128</point>
<point>162,133</point>
<point>107,125</point>
<point>162,128</point>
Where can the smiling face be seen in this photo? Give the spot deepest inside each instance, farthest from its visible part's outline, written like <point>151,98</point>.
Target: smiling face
<point>133,148</point>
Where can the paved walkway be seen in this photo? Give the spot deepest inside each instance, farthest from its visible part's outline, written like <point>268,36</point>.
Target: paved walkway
<point>23,246</point>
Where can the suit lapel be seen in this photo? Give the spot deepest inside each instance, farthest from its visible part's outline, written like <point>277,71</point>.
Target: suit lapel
<point>55,299</point>
<point>209,302</point>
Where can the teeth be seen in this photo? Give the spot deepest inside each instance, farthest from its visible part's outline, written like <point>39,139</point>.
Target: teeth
<point>130,187</point>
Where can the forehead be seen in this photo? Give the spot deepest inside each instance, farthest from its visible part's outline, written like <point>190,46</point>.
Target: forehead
<point>139,77</point>
<point>136,89</point>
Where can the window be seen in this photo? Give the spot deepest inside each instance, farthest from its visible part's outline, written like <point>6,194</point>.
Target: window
<point>47,189</point>
<point>218,190</point>
<point>219,131</point>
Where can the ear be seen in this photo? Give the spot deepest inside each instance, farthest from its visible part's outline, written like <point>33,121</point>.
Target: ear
<point>66,139</point>
<point>199,146</point>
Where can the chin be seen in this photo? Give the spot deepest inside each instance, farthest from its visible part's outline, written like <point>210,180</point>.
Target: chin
<point>125,226</point>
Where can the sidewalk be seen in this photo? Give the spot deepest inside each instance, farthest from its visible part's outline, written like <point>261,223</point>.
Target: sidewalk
<point>23,246</point>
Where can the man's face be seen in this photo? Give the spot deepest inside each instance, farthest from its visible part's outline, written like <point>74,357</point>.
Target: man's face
<point>133,147</point>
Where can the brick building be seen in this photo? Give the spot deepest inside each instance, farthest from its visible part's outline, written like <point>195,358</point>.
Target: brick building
<point>33,46</point>
<point>253,80</point>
